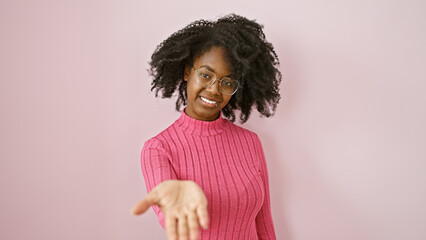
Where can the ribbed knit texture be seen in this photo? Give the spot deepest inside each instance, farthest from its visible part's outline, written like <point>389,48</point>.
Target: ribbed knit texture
<point>227,162</point>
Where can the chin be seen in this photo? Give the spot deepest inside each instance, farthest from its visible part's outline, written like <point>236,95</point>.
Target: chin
<point>207,114</point>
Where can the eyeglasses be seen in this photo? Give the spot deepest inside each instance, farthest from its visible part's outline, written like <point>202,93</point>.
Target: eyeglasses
<point>207,78</point>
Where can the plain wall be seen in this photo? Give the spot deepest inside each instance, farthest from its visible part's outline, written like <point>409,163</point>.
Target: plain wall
<point>345,150</point>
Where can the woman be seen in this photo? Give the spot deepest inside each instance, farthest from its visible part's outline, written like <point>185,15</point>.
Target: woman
<point>204,170</point>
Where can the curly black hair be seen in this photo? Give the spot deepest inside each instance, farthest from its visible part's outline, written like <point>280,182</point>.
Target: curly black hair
<point>253,61</point>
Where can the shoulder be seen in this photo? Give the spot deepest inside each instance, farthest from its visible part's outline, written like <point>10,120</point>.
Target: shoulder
<point>157,145</point>
<point>242,131</point>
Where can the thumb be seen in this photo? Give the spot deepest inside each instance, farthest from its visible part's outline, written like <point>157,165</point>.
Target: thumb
<point>145,203</point>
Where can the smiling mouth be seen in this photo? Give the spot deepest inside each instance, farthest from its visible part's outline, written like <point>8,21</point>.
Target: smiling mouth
<point>208,101</point>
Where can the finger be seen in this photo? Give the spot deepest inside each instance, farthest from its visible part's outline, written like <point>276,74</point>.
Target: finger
<point>193,225</point>
<point>182,228</point>
<point>145,203</point>
<point>171,228</point>
<point>203,215</point>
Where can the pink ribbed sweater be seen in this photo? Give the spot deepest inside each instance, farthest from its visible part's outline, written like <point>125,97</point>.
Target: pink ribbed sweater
<point>227,162</point>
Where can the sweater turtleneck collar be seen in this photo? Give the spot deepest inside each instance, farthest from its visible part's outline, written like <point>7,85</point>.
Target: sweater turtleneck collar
<point>200,127</point>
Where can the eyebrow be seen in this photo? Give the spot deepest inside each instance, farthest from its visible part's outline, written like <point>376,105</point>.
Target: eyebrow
<point>212,70</point>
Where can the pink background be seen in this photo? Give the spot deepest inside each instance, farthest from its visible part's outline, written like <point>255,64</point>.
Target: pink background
<point>346,149</point>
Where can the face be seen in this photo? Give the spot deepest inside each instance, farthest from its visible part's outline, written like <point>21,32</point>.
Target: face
<point>197,107</point>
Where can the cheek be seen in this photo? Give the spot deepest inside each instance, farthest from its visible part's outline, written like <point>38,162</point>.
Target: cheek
<point>226,100</point>
<point>192,90</point>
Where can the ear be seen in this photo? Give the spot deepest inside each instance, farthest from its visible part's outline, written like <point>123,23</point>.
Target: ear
<point>186,73</point>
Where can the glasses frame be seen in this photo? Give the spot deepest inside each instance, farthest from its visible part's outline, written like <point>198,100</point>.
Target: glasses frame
<point>220,82</point>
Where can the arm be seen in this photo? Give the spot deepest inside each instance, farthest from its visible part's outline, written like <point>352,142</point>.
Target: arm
<point>156,168</point>
<point>264,222</point>
<point>181,205</point>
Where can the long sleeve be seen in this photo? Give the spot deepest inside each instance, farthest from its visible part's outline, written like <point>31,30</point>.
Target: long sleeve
<point>264,222</point>
<point>156,168</point>
<point>227,162</point>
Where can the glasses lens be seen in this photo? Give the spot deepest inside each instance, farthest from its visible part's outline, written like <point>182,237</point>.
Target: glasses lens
<point>205,77</point>
<point>228,86</point>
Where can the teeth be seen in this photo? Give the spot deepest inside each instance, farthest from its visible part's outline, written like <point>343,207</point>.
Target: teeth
<point>206,100</point>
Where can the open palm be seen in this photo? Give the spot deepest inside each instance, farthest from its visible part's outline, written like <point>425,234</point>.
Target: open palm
<point>184,205</point>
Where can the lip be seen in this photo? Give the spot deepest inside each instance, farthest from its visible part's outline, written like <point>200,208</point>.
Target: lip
<point>209,104</point>
<point>211,99</point>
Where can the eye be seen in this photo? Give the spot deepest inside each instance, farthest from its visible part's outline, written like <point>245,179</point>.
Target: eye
<point>228,83</point>
<point>204,75</point>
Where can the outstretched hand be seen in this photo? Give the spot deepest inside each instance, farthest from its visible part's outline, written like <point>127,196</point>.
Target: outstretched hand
<point>184,205</point>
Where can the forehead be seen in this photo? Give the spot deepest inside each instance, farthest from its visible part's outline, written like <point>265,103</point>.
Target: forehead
<point>216,58</point>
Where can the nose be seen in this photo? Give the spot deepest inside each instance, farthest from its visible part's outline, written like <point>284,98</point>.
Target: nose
<point>214,89</point>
